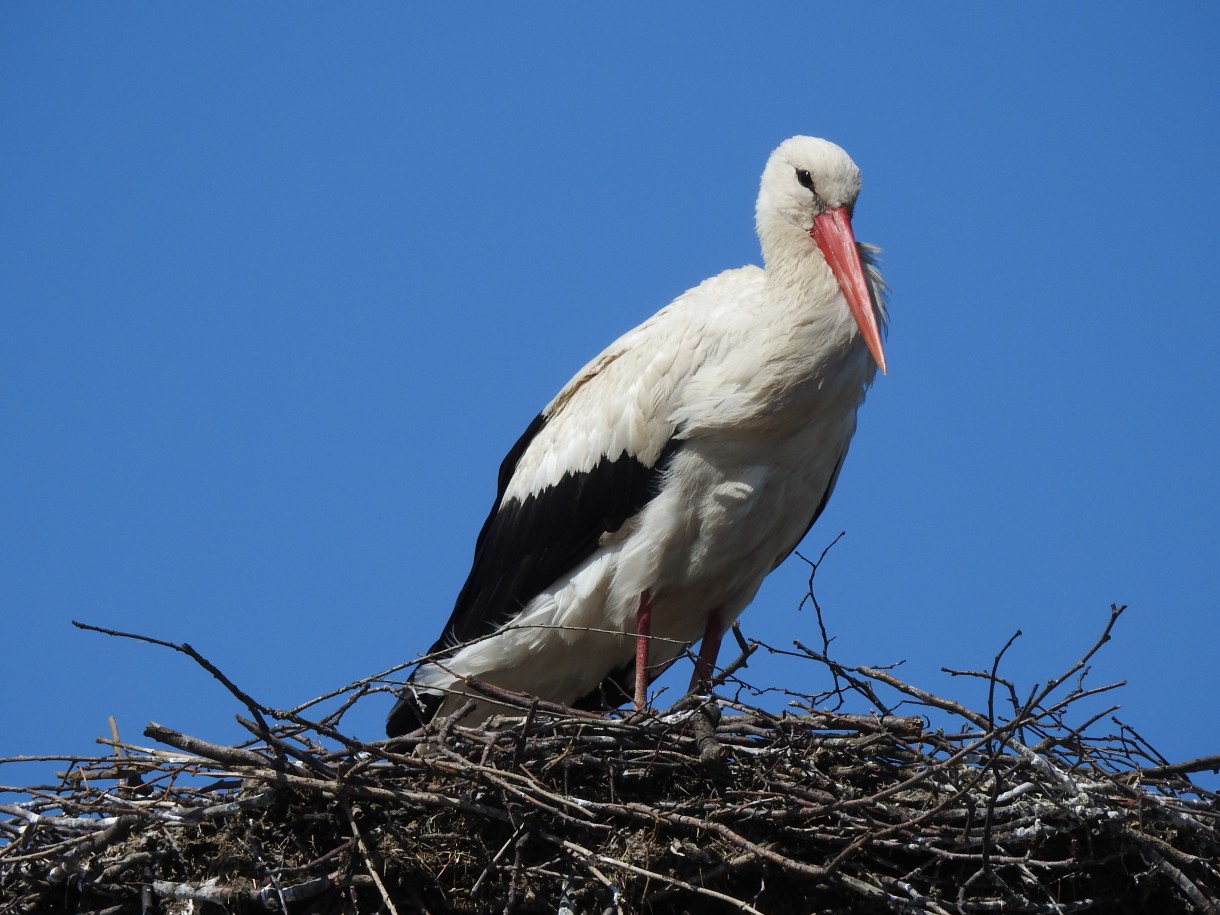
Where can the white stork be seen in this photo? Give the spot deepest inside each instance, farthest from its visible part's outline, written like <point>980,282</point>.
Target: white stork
<point>642,509</point>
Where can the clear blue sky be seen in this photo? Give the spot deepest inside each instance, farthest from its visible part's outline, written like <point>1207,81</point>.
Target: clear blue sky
<point>281,284</point>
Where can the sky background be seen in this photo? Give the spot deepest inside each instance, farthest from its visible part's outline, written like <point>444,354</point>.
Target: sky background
<point>279,286</point>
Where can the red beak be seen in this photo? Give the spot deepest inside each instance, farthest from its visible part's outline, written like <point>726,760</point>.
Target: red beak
<point>833,235</point>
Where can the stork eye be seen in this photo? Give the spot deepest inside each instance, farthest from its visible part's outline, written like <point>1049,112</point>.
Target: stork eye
<point>805,179</point>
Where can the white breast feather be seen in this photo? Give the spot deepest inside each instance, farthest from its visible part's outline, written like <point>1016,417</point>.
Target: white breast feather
<point>626,399</point>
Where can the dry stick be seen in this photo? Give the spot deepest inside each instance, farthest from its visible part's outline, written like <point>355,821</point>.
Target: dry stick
<point>71,848</point>
<point>1140,741</point>
<point>905,785</point>
<point>513,699</point>
<point>1116,611</point>
<point>703,722</point>
<point>1199,764</point>
<point>927,698</point>
<point>229,756</point>
<point>255,708</point>
<point>974,718</point>
<point>1134,745</point>
<point>992,734</point>
<point>1207,904</point>
<point>914,895</point>
<point>799,867</point>
<point>746,648</point>
<point>707,875</point>
<point>266,897</point>
<point>996,779</point>
<point>369,862</point>
<point>862,687</point>
<point>504,785</point>
<point>907,825</point>
<point>652,875</point>
<point>356,685</point>
<point>608,884</point>
<point>811,597</point>
<point>285,749</point>
<point>491,865</point>
<point>59,822</point>
<point>1039,697</point>
<point>521,734</point>
<point>1077,695</point>
<point>1144,840</point>
<point>1068,739</point>
<point>862,888</point>
<point>815,720</point>
<point>259,768</point>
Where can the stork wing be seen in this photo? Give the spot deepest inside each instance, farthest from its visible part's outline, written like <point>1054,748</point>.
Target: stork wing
<point>590,461</point>
<point>525,546</point>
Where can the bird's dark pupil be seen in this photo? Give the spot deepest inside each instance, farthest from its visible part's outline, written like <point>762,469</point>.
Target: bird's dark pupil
<point>806,179</point>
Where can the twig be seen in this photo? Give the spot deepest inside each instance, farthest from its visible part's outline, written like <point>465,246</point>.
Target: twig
<point>255,708</point>
<point>1198,764</point>
<point>370,864</point>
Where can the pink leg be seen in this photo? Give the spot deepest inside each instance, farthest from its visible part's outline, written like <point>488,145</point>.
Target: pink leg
<point>709,648</point>
<point>643,628</point>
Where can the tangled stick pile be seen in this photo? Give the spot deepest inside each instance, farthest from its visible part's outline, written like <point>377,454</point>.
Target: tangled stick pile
<point>713,806</point>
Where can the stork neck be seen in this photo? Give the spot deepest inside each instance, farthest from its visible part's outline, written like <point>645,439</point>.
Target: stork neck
<point>795,267</point>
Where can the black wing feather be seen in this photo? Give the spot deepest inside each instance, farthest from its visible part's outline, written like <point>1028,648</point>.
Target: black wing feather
<point>526,546</point>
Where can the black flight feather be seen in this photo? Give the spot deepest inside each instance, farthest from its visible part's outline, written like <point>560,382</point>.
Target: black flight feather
<point>525,546</point>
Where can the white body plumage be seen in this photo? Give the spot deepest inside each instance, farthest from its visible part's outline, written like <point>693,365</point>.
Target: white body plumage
<point>695,452</point>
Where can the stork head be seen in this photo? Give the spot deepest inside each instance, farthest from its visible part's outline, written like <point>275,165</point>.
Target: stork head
<point>805,204</point>
<point>804,177</point>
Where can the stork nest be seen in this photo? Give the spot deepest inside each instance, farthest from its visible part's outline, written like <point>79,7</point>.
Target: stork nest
<point>712,806</point>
